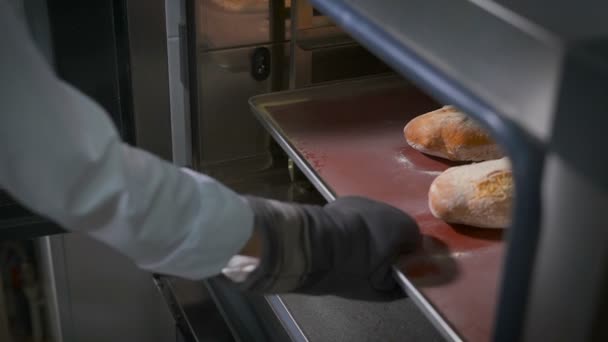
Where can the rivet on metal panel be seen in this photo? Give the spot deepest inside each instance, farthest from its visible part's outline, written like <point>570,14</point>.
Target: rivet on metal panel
<point>260,63</point>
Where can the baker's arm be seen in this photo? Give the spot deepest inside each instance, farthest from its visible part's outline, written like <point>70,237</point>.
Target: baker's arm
<point>60,156</point>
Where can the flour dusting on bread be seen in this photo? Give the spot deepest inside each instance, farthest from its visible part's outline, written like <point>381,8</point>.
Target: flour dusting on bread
<point>449,133</point>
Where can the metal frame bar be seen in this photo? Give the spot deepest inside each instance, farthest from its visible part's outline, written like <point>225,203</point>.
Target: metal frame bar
<point>181,322</point>
<point>427,308</point>
<point>192,85</point>
<point>300,67</point>
<point>287,320</point>
<point>151,103</point>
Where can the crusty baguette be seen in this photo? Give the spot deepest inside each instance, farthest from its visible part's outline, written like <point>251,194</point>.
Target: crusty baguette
<point>450,134</point>
<point>479,194</point>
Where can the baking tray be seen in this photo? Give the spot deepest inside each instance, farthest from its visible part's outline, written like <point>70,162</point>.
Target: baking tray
<point>347,138</point>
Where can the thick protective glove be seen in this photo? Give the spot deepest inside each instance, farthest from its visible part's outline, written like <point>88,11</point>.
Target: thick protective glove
<point>347,244</point>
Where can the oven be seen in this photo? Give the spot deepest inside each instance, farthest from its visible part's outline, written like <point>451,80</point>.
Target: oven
<point>335,116</point>
<point>306,101</point>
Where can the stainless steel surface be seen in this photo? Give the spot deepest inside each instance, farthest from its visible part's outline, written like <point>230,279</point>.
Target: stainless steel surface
<point>149,76</point>
<point>195,314</point>
<point>52,283</point>
<point>230,140</point>
<point>569,284</point>
<point>184,329</point>
<point>283,313</point>
<point>232,23</point>
<point>227,140</point>
<point>224,24</point>
<point>571,261</point>
<point>323,52</point>
<point>177,54</point>
<point>57,288</point>
<point>107,297</point>
<point>313,38</point>
<point>482,56</point>
<point>300,66</point>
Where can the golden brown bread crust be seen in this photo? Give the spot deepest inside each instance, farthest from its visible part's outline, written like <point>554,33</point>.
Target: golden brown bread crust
<point>450,134</point>
<point>478,194</point>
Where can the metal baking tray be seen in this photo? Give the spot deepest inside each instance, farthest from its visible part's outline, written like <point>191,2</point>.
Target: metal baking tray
<point>347,138</point>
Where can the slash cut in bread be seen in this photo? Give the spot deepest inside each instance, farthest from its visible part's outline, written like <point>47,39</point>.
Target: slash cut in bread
<point>450,134</point>
<point>479,194</point>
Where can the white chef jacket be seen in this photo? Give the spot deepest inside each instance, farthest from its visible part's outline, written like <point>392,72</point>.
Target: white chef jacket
<point>61,156</point>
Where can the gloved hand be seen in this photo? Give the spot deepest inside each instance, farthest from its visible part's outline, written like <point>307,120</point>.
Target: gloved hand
<point>349,243</point>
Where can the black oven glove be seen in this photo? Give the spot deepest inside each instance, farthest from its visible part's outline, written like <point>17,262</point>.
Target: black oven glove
<point>348,244</point>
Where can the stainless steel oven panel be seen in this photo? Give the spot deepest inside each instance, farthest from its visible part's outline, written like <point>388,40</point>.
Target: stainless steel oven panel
<point>343,62</point>
<point>230,23</point>
<point>225,24</point>
<point>229,138</point>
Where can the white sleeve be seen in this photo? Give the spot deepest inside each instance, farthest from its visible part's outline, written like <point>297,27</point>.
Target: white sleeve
<point>60,156</point>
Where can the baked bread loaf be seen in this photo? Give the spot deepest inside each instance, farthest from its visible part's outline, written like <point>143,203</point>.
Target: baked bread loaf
<point>450,134</point>
<point>479,194</point>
